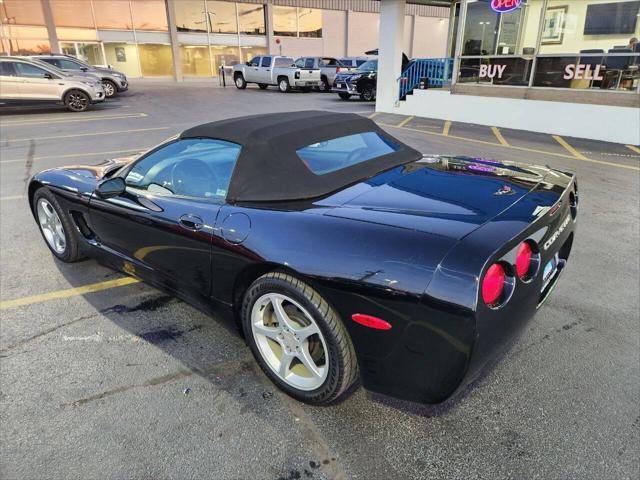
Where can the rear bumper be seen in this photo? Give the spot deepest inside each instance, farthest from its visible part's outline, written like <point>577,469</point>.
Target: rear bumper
<point>306,83</point>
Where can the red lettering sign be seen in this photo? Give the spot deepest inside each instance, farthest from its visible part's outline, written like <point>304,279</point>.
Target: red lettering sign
<point>504,6</point>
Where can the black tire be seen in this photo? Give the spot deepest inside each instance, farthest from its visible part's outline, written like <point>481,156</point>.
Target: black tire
<point>368,94</point>
<point>324,85</point>
<point>343,367</point>
<point>263,86</point>
<point>240,82</point>
<point>77,101</point>
<point>344,96</point>
<point>306,89</point>
<point>283,85</point>
<point>110,88</point>
<point>72,251</point>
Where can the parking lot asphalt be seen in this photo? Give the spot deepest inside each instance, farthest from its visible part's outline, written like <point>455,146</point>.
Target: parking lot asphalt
<point>105,377</point>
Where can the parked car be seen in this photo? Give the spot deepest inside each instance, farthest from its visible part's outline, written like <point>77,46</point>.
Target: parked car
<point>24,82</point>
<point>361,81</point>
<point>329,67</point>
<point>352,62</point>
<point>275,70</point>
<point>340,252</point>
<point>113,82</point>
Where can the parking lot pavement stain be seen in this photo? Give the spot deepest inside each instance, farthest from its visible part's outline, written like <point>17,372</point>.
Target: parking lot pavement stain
<point>161,335</point>
<point>147,305</point>
<point>28,164</point>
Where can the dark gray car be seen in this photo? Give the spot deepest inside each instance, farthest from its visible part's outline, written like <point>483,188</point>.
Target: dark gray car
<point>113,82</point>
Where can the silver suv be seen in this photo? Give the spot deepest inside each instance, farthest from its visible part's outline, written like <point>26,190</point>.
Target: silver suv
<point>112,81</point>
<point>23,81</point>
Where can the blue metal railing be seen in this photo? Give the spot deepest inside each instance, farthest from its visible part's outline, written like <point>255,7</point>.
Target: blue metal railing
<point>436,72</point>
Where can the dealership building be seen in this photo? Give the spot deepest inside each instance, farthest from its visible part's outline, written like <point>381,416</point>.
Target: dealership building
<point>193,38</point>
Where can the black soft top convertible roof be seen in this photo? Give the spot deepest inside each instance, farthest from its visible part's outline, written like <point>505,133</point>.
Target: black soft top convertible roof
<point>269,169</point>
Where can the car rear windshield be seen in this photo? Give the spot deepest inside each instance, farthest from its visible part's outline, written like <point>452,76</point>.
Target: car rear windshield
<point>283,62</point>
<point>332,155</point>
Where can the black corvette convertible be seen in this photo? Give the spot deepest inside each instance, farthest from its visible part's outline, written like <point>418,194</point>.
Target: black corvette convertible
<point>341,252</point>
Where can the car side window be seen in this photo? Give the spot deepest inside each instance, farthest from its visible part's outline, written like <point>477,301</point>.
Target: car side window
<point>51,61</point>
<point>255,61</point>
<point>300,63</point>
<point>69,64</point>
<point>30,71</point>
<point>6,69</point>
<point>309,63</point>
<point>266,61</point>
<point>196,167</point>
<point>329,62</point>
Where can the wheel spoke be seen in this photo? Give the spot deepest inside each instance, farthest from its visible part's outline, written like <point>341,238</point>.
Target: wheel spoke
<point>269,332</point>
<point>305,357</point>
<point>281,315</point>
<point>285,364</point>
<point>305,332</point>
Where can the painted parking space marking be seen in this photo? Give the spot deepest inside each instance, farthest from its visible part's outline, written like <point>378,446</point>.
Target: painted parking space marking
<point>74,135</point>
<point>524,149</point>
<point>67,293</point>
<point>568,147</point>
<point>498,134</point>
<point>633,148</point>
<point>373,115</point>
<point>405,121</point>
<point>25,123</point>
<point>74,155</point>
<point>11,197</point>
<point>446,128</point>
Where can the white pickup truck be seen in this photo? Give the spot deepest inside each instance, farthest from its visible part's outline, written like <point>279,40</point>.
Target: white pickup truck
<point>275,70</point>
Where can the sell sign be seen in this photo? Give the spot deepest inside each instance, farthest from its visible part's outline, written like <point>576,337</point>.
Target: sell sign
<point>504,6</point>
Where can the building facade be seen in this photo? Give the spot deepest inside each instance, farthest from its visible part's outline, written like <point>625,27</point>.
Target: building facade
<point>194,38</point>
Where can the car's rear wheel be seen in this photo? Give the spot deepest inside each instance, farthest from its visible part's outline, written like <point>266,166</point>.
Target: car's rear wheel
<point>368,94</point>
<point>324,85</point>
<point>240,82</point>
<point>283,85</point>
<point>55,226</point>
<point>263,86</point>
<point>344,96</point>
<point>77,101</point>
<point>110,89</point>
<point>298,339</point>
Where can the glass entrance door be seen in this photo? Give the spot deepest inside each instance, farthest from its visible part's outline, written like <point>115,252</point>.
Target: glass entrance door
<point>90,52</point>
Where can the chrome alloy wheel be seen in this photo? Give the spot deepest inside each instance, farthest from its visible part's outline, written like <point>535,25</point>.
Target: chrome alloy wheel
<point>51,226</point>
<point>109,89</point>
<point>78,101</point>
<point>290,341</point>
<point>283,85</point>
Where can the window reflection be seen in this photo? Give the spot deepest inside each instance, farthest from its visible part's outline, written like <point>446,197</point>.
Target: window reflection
<point>310,22</point>
<point>28,47</point>
<point>247,53</point>
<point>149,15</point>
<point>114,14</point>
<point>19,12</point>
<point>195,60</point>
<point>285,21</point>
<point>190,16</point>
<point>222,17</point>
<point>72,13</point>
<point>123,57</point>
<point>155,60</point>
<point>251,19</point>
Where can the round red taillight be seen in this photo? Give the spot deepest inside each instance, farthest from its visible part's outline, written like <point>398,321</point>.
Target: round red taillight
<point>523,260</point>
<point>493,284</point>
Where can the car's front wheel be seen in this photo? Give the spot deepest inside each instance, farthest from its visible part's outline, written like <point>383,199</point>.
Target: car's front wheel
<point>110,89</point>
<point>368,94</point>
<point>298,339</point>
<point>55,226</point>
<point>240,82</point>
<point>283,85</point>
<point>77,101</point>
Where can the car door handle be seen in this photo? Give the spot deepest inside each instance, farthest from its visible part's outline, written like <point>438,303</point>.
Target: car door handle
<point>268,69</point>
<point>191,222</point>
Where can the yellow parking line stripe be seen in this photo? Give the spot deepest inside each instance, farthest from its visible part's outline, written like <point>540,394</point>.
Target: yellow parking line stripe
<point>70,292</point>
<point>22,123</point>
<point>633,148</point>
<point>74,155</point>
<point>568,147</point>
<point>9,140</point>
<point>498,134</point>
<point>405,121</point>
<point>13,197</point>
<point>524,149</point>
<point>446,128</point>
<point>374,114</point>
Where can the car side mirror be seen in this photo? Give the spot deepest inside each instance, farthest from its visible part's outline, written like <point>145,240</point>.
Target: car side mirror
<point>111,187</point>
<point>84,69</point>
<point>48,75</point>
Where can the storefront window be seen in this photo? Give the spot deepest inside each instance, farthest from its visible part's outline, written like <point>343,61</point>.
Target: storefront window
<point>223,56</point>
<point>251,19</point>
<point>123,57</point>
<point>190,16</point>
<point>285,21</point>
<point>247,53</point>
<point>310,22</point>
<point>21,12</point>
<point>149,15</point>
<point>72,13</point>
<point>114,14</point>
<point>28,47</point>
<point>222,17</point>
<point>155,60</point>
<point>25,40</point>
<point>195,61</point>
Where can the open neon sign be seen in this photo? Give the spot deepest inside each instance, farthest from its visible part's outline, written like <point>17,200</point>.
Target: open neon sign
<point>505,6</point>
